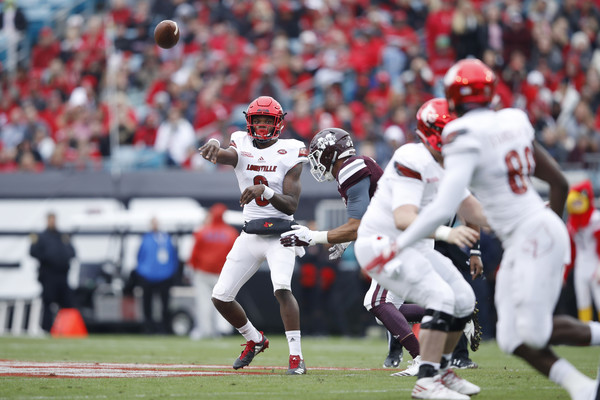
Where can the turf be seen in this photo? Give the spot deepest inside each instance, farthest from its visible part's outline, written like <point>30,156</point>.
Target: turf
<point>499,375</point>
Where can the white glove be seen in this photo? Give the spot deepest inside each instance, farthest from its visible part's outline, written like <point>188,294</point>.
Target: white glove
<point>300,235</point>
<point>337,250</point>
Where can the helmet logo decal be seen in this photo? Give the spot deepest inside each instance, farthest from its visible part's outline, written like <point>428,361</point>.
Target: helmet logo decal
<point>429,115</point>
<point>327,140</point>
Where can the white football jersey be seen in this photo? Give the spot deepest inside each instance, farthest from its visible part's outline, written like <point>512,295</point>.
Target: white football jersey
<point>411,177</point>
<point>265,166</point>
<point>502,177</point>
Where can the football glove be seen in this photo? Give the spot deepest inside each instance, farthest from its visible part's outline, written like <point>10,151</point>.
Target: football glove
<point>337,250</point>
<point>300,235</point>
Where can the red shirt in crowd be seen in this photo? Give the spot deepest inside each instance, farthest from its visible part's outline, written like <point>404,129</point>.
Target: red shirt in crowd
<point>213,242</point>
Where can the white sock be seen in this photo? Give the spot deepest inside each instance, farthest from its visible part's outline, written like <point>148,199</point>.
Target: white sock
<point>293,338</point>
<point>249,332</point>
<point>566,375</point>
<point>595,328</point>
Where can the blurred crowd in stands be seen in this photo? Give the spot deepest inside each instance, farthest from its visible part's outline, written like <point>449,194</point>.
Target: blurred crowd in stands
<point>362,65</point>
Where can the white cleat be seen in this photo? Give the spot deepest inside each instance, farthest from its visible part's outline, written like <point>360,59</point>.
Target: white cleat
<point>412,370</point>
<point>432,388</point>
<point>458,384</point>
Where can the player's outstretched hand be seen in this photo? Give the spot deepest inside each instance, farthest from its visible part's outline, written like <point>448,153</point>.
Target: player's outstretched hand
<point>476,266</point>
<point>337,250</point>
<point>385,250</point>
<point>210,150</point>
<point>300,235</point>
<point>463,236</point>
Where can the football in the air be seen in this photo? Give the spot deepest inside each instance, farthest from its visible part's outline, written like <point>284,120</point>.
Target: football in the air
<point>166,34</point>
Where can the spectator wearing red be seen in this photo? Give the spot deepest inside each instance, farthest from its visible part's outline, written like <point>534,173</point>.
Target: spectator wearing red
<point>516,36</point>
<point>212,244</point>
<point>400,33</point>
<point>45,50</point>
<point>120,13</point>
<point>438,28</point>
<point>145,134</point>
<point>381,96</point>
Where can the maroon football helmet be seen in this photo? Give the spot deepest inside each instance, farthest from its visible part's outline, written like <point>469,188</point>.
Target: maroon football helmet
<point>431,119</point>
<point>469,81</point>
<point>264,105</point>
<point>326,147</point>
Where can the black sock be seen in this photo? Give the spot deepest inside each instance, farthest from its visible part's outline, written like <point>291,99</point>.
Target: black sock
<point>426,371</point>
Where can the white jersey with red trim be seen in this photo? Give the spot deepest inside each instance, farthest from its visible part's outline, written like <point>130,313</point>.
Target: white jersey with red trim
<point>265,166</point>
<point>411,177</point>
<point>502,177</point>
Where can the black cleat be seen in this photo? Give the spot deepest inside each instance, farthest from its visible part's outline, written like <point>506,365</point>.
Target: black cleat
<point>394,357</point>
<point>463,363</point>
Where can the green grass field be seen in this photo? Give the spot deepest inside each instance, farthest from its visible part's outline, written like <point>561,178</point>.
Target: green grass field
<point>499,375</point>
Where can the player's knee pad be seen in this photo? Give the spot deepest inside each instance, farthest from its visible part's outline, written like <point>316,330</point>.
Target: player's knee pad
<point>221,294</point>
<point>464,304</point>
<point>222,297</point>
<point>436,320</point>
<point>458,324</point>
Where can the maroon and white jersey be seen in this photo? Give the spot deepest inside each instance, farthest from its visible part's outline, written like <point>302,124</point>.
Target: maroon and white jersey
<point>355,169</point>
<point>265,166</point>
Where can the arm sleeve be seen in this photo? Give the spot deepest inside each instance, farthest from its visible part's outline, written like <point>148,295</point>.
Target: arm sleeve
<point>459,169</point>
<point>358,198</point>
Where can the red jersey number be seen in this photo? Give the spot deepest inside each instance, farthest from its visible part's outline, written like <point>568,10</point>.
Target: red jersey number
<point>517,176</point>
<point>261,180</point>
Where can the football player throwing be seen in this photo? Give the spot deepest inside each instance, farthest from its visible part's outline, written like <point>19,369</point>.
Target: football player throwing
<point>268,173</point>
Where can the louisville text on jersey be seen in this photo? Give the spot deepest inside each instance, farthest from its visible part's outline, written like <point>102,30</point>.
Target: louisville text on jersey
<point>261,168</point>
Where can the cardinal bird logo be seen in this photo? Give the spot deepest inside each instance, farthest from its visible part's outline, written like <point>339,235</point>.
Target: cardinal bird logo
<point>268,224</point>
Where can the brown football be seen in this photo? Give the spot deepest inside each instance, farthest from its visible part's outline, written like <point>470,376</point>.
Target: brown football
<point>166,34</point>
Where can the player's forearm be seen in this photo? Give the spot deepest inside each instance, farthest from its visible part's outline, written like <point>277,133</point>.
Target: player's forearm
<point>344,233</point>
<point>471,212</point>
<point>285,203</point>
<point>227,157</point>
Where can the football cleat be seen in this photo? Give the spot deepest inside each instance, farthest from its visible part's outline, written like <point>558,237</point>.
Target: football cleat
<point>458,384</point>
<point>412,370</point>
<point>433,388</point>
<point>463,363</point>
<point>251,350</point>
<point>297,366</point>
<point>393,360</point>
<point>473,330</point>
<point>394,357</point>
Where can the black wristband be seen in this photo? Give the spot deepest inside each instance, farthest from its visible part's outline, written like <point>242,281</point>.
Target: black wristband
<point>475,250</point>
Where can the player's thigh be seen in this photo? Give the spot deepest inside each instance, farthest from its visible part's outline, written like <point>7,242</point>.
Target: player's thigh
<point>377,295</point>
<point>409,275</point>
<point>464,297</point>
<point>530,281</point>
<point>281,261</point>
<point>241,264</point>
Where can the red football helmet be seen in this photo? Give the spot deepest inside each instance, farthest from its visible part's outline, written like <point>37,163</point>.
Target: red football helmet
<point>264,105</point>
<point>431,119</point>
<point>469,81</point>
